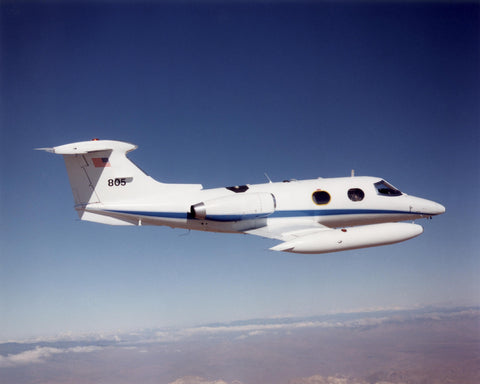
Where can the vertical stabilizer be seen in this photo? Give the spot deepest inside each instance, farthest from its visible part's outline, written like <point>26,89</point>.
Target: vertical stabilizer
<point>101,173</point>
<point>103,179</point>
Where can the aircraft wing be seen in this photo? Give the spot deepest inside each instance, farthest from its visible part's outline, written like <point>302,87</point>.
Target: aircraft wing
<point>288,231</point>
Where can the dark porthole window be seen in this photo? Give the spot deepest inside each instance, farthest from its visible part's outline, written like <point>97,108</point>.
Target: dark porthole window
<point>321,197</point>
<point>356,194</point>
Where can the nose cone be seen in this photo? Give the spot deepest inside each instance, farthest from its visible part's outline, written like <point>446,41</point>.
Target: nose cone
<point>437,209</point>
<point>427,207</point>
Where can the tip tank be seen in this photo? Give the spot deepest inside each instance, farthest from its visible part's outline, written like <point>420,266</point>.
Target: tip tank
<point>335,240</point>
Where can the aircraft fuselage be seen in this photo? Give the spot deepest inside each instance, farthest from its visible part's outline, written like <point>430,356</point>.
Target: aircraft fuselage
<point>292,200</point>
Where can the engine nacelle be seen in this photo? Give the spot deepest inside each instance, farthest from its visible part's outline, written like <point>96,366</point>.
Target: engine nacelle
<point>246,206</point>
<point>334,240</point>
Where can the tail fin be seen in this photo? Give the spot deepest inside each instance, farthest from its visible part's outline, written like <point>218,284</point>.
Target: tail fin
<point>101,174</point>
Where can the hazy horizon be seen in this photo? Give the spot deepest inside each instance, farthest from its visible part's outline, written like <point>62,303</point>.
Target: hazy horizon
<point>434,345</point>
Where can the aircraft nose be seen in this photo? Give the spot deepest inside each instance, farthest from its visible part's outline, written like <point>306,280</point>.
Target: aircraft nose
<point>438,209</point>
<point>427,207</point>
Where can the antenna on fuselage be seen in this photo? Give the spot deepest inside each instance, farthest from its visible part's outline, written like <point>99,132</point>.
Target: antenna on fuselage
<point>268,178</point>
<point>353,173</point>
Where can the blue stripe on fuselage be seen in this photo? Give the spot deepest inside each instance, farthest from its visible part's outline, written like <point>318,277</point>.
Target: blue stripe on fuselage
<point>338,212</point>
<point>276,214</point>
<point>166,215</point>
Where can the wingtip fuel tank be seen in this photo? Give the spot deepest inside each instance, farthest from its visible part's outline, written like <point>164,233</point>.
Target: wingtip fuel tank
<point>344,239</point>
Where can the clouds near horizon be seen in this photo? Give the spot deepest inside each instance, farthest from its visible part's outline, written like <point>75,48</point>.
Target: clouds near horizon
<point>41,355</point>
<point>344,348</point>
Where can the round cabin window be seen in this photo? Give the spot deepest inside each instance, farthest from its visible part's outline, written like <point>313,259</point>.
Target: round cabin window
<point>321,197</point>
<point>356,194</point>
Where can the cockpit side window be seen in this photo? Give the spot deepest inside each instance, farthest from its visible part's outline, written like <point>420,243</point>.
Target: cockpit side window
<point>385,189</point>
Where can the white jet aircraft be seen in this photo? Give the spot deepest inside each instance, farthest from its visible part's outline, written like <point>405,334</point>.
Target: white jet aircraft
<point>308,216</point>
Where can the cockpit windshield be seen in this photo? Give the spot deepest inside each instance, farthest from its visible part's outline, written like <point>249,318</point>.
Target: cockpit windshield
<point>385,189</point>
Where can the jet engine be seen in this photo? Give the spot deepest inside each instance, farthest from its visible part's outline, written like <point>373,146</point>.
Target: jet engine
<point>234,208</point>
<point>334,240</point>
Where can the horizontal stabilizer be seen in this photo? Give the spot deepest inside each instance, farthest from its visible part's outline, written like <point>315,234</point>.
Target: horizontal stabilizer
<point>84,147</point>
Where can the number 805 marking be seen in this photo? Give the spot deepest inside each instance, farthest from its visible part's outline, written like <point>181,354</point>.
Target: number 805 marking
<point>117,182</point>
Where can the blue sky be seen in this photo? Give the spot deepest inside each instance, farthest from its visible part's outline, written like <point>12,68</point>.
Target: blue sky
<point>219,94</point>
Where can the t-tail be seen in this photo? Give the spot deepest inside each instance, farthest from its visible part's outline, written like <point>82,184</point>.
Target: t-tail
<point>101,175</point>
